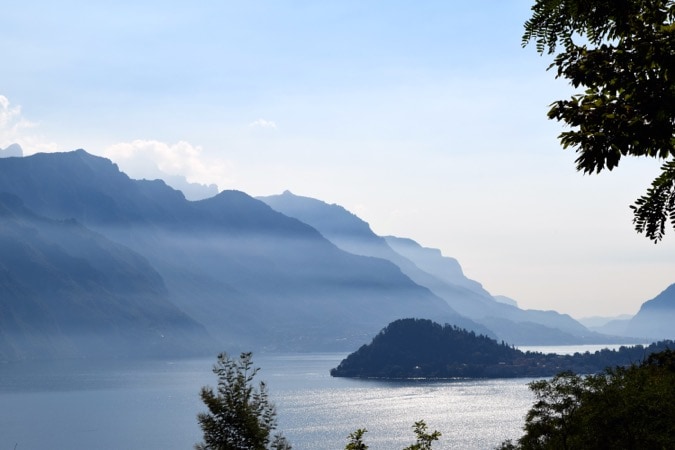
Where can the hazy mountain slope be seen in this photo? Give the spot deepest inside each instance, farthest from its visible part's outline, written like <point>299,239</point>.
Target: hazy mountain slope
<point>433,262</point>
<point>354,235</point>
<point>66,291</point>
<point>618,327</point>
<point>506,319</point>
<point>340,226</point>
<point>656,317</point>
<point>281,274</point>
<point>254,277</point>
<point>600,321</point>
<point>429,268</point>
<point>615,326</point>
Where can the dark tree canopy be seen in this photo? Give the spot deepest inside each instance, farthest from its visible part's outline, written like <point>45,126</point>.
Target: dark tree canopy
<point>621,55</point>
<point>625,407</point>
<point>420,348</point>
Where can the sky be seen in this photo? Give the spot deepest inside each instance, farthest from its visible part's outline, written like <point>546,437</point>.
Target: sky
<point>426,119</point>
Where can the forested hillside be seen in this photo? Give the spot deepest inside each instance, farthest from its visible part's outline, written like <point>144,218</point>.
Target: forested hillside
<point>419,348</point>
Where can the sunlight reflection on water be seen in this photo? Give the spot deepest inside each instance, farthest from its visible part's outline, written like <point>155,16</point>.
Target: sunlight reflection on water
<point>134,405</point>
<point>470,414</point>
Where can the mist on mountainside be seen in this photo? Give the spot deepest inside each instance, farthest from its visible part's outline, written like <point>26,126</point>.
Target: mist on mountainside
<point>252,277</point>
<point>440,274</point>
<point>103,264</point>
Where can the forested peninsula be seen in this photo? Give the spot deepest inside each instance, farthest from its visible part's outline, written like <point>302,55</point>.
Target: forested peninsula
<point>422,349</point>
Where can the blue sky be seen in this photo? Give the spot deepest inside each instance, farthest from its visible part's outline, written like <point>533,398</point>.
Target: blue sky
<point>427,119</point>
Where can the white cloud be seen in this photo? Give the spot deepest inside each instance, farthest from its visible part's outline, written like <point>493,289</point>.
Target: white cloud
<point>7,113</point>
<point>264,124</point>
<point>154,159</point>
<point>15,128</point>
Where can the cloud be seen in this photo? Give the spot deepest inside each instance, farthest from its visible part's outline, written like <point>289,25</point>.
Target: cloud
<point>154,159</point>
<point>8,114</point>
<point>264,124</point>
<point>15,128</point>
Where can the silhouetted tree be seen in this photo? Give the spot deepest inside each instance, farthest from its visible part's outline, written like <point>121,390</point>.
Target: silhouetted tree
<point>356,440</point>
<point>240,415</point>
<point>620,53</point>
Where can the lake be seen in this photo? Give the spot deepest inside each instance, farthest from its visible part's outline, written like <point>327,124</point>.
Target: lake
<point>73,405</point>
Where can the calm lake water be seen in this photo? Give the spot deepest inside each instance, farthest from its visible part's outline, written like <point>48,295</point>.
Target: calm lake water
<point>114,405</point>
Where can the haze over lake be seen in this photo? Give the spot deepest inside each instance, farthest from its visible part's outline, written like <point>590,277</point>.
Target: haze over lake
<point>153,405</point>
<point>112,404</point>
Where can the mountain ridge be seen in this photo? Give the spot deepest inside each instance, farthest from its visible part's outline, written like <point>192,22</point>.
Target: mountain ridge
<point>441,275</point>
<point>255,278</point>
<point>233,272</point>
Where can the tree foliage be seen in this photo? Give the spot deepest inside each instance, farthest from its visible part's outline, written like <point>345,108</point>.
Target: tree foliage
<point>423,442</point>
<point>420,348</point>
<point>356,440</point>
<point>631,407</point>
<point>424,438</point>
<point>240,416</point>
<point>621,55</point>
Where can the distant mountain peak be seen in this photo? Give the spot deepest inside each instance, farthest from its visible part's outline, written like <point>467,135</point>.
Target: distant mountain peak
<point>13,150</point>
<point>332,220</point>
